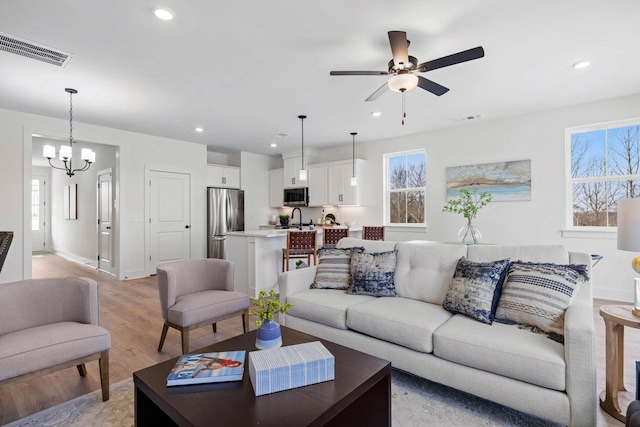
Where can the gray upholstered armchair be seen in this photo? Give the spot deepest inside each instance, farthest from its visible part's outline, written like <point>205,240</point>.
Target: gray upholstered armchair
<point>51,324</point>
<point>198,292</point>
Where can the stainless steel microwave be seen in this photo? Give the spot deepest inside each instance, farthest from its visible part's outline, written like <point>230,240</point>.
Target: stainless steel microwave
<point>296,196</point>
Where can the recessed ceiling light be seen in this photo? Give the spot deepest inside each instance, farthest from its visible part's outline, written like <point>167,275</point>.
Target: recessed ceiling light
<point>581,64</point>
<point>273,145</point>
<point>199,129</point>
<point>163,13</point>
<point>376,113</point>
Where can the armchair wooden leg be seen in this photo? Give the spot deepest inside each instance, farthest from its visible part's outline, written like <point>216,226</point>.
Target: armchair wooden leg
<point>165,328</point>
<point>104,374</point>
<point>214,327</point>
<point>245,321</point>
<point>82,370</point>
<point>185,341</point>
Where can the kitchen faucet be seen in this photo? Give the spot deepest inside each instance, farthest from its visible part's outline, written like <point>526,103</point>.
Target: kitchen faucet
<point>292,216</point>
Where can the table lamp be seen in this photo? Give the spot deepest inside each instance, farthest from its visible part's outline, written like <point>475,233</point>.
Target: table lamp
<point>629,240</point>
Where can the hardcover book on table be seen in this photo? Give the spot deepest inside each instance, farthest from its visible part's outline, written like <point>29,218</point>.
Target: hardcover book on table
<point>201,368</point>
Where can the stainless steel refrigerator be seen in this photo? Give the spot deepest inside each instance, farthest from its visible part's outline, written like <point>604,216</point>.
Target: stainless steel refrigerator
<point>225,212</point>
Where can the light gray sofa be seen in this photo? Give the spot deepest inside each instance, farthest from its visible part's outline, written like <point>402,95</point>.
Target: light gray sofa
<point>51,324</point>
<point>499,362</point>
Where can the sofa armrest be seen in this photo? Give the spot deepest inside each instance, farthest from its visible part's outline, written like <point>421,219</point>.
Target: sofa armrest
<point>580,357</point>
<point>294,281</point>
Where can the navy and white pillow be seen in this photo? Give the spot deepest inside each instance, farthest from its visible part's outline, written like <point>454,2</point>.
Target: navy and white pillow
<point>475,289</point>
<point>539,293</point>
<point>373,274</point>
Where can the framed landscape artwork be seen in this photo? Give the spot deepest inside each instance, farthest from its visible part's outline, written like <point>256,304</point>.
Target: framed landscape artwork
<point>506,181</point>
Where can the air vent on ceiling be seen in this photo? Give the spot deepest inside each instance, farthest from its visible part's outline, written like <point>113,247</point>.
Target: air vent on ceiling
<point>40,52</point>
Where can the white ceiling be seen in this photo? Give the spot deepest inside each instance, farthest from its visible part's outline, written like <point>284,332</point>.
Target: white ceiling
<point>244,70</point>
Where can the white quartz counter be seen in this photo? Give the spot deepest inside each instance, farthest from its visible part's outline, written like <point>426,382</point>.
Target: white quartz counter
<point>281,232</point>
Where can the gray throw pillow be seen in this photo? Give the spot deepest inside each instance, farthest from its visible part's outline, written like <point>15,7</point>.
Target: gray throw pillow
<point>333,270</point>
<point>475,288</point>
<point>373,274</point>
<point>538,294</point>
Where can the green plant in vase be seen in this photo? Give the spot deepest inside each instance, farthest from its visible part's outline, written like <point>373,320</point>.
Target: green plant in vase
<point>467,204</point>
<point>284,219</point>
<point>266,306</point>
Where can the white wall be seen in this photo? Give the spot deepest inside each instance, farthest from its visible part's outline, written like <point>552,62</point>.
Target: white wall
<point>254,180</point>
<point>539,137</point>
<point>135,152</point>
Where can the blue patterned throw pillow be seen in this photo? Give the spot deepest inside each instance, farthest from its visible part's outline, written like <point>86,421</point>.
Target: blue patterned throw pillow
<point>373,274</point>
<point>538,294</point>
<point>475,289</point>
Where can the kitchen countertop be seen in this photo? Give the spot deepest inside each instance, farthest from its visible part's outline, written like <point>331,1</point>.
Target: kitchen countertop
<point>276,233</point>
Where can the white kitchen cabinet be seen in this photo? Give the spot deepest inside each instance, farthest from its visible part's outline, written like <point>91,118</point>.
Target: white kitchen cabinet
<point>292,173</point>
<point>276,188</point>
<point>318,185</point>
<point>223,176</point>
<point>340,190</point>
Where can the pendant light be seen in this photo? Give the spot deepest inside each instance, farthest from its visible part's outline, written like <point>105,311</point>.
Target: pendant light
<point>303,171</point>
<point>49,151</point>
<point>354,179</point>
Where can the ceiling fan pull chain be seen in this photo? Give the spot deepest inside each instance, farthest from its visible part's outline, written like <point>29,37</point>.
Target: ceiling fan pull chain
<point>404,111</point>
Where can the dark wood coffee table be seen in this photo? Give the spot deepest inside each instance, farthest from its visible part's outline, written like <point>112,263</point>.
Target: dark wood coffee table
<point>359,395</point>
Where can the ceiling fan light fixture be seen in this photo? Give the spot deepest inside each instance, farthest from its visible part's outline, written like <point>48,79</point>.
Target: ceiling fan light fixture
<point>403,82</point>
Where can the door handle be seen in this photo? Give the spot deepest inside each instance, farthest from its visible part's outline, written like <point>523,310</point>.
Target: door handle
<point>186,226</point>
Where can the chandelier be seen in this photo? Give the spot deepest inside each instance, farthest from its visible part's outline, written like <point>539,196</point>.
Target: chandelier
<point>49,151</point>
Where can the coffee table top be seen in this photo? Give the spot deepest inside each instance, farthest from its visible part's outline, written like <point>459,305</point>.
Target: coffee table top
<point>234,403</point>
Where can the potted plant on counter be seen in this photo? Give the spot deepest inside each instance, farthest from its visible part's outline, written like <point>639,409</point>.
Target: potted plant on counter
<point>284,220</point>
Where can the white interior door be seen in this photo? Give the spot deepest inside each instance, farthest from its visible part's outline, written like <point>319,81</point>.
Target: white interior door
<point>38,200</point>
<point>105,220</point>
<point>170,218</point>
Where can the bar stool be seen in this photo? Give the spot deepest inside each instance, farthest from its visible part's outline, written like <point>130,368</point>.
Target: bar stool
<point>372,232</point>
<point>300,244</point>
<point>330,236</point>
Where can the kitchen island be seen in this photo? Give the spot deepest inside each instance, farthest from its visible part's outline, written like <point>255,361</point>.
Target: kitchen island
<point>257,256</point>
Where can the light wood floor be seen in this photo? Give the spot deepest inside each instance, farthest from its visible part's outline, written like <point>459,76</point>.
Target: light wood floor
<point>131,312</point>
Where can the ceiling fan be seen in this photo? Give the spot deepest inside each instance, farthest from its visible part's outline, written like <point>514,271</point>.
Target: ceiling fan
<point>403,67</point>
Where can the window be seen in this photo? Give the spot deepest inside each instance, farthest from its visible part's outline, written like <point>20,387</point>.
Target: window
<point>35,204</point>
<point>405,187</point>
<point>605,167</point>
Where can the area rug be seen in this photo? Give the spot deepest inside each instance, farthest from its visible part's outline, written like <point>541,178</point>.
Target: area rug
<point>415,402</point>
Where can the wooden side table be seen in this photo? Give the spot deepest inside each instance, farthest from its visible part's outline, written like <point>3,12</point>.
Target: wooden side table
<point>616,317</point>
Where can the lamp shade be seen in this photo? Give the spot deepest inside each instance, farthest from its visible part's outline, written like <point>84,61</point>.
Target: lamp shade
<point>65,152</point>
<point>403,81</point>
<point>49,151</point>
<point>629,225</point>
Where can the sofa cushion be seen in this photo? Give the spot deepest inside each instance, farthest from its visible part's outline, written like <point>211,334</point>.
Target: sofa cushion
<point>333,271</point>
<point>198,307</point>
<point>40,347</point>
<point>538,294</point>
<point>475,289</point>
<point>325,306</point>
<point>502,349</point>
<point>424,269</point>
<point>373,274</point>
<point>402,321</point>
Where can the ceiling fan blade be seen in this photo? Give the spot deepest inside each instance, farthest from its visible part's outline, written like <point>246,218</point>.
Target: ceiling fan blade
<point>358,73</point>
<point>375,95</point>
<point>456,58</point>
<point>399,47</point>
<point>432,86</point>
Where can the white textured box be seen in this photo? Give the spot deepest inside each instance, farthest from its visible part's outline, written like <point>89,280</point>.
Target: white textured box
<point>282,368</point>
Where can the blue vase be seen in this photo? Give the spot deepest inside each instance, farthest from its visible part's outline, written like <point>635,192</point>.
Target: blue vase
<point>268,335</point>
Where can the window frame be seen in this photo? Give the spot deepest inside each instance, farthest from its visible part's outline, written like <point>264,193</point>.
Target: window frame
<point>570,229</point>
<point>387,189</point>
